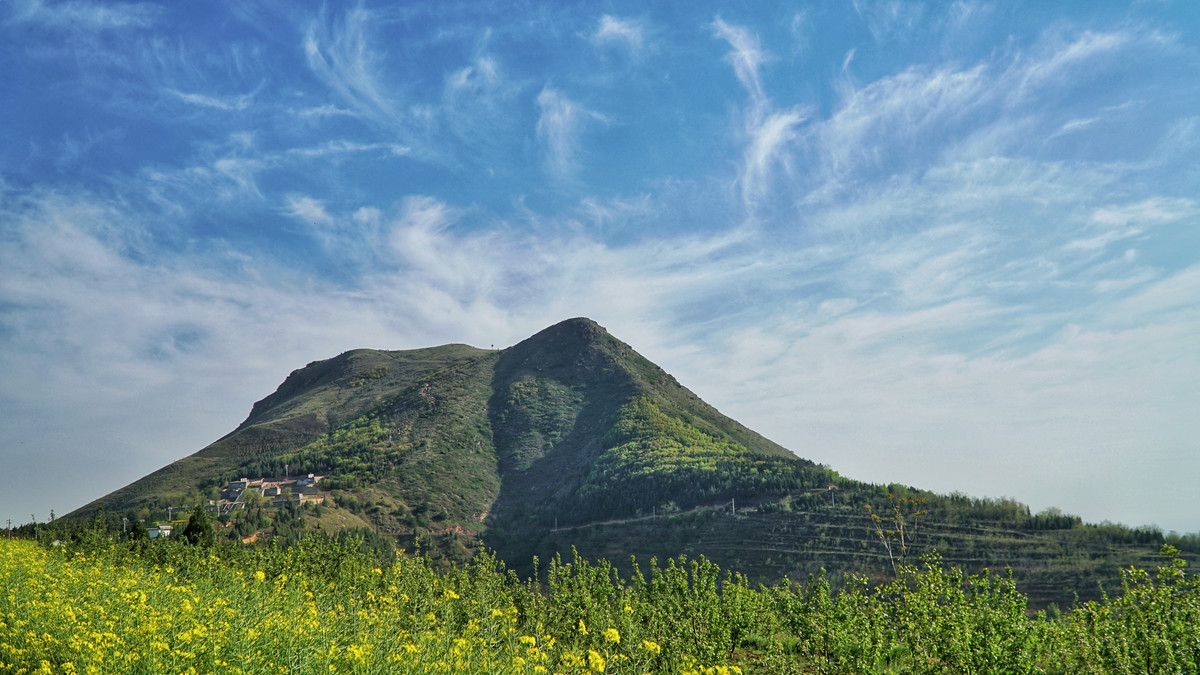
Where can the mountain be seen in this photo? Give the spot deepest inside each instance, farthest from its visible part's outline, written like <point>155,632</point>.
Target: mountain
<point>570,425</point>
<point>573,439</point>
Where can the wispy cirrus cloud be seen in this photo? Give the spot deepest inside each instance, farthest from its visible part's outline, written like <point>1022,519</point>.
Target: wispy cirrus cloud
<point>236,103</point>
<point>342,54</point>
<point>877,123</point>
<point>746,56</point>
<point>477,79</point>
<point>767,131</point>
<point>78,16</point>
<point>769,138</point>
<point>629,32</point>
<point>889,20</point>
<point>230,178</point>
<point>926,115</point>
<point>233,171</point>
<point>1059,59</point>
<point>560,127</point>
<point>308,209</point>
<point>1114,223</point>
<point>478,109</point>
<point>339,147</point>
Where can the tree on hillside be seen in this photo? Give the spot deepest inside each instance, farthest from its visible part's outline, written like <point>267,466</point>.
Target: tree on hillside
<point>252,498</point>
<point>199,528</point>
<point>897,529</point>
<point>137,530</point>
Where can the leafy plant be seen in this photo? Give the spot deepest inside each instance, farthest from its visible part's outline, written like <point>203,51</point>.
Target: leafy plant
<point>897,528</point>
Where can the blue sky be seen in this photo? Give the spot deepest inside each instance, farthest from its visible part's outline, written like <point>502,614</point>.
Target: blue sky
<point>949,244</point>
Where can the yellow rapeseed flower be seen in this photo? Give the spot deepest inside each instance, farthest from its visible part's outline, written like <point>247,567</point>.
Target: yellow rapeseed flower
<point>651,647</point>
<point>612,635</point>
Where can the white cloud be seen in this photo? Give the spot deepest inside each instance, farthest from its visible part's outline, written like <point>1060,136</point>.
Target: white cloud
<point>1174,295</point>
<point>916,118</point>
<point>625,31</point>
<point>894,110</point>
<point>1152,211</point>
<point>746,56</point>
<point>561,122</point>
<point>767,131</point>
<point>1073,126</point>
<point>930,115</point>
<point>78,16</point>
<point>480,111</point>
<point>802,28</point>
<point>847,60</point>
<point>227,178</point>
<point>1063,60</point>
<point>232,171</point>
<point>889,20</point>
<point>326,110</point>
<point>344,147</point>
<point>237,103</point>
<point>307,208</point>
<point>768,139</point>
<point>477,78</point>
<point>341,55</point>
<point>1116,223</point>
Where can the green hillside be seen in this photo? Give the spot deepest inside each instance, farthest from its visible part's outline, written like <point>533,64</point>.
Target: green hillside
<point>313,404</point>
<point>572,439</point>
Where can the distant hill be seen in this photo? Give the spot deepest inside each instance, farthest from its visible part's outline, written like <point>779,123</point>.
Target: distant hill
<point>573,439</point>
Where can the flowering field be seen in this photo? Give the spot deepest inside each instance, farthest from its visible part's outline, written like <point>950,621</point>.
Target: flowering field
<point>317,608</point>
<point>321,607</point>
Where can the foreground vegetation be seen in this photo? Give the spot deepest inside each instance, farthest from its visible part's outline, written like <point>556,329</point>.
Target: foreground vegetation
<point>324,605</point>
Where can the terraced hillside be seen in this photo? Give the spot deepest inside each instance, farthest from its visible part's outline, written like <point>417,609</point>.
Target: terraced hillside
<point>1051,566</point>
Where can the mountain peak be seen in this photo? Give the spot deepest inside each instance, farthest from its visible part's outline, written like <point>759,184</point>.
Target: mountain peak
<point>578,329</point>
<point>562,345</point>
